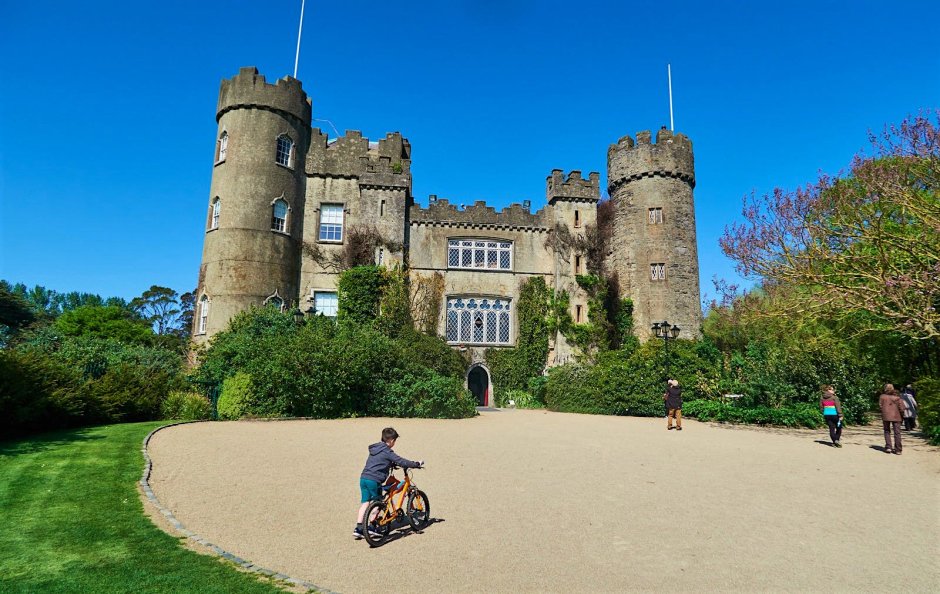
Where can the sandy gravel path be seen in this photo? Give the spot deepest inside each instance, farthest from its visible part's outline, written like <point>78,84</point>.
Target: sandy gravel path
<point>530,501</point>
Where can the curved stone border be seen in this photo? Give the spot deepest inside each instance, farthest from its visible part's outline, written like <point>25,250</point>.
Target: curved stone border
<point>247,565</point>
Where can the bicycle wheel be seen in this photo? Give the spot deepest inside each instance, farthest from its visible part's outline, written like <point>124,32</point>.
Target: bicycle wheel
<point>377,534</point>
<point>418,510</point>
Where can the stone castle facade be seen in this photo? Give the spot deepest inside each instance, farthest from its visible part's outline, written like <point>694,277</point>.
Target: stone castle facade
<point>285,201</point>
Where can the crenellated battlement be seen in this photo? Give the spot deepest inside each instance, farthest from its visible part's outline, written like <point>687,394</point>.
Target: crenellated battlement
<point>670,156</point>
<point>352,155</point>
<point>248,89</point>
<point>443,213</point>
<point>573,187</point>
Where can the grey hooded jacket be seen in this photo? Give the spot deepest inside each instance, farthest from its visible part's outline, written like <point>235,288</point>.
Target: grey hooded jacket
<point>380,460</point>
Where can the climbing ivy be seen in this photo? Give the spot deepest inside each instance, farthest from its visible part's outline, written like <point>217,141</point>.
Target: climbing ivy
<point>512,368</point>
<point>359,292</point>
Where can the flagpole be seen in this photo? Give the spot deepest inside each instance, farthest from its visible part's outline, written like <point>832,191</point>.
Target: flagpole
<point>672,125</point>
<point>300,30</point>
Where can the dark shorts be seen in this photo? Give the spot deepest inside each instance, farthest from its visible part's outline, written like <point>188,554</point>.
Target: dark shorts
<point>370,490</point>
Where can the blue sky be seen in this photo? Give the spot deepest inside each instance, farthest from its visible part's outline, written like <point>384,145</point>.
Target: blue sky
<point>107,109</point>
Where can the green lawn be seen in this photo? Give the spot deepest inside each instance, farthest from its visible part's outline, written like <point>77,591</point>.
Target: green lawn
<point>71,521</point>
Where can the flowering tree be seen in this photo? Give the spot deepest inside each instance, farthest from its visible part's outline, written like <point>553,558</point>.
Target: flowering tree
<point>864,244</point>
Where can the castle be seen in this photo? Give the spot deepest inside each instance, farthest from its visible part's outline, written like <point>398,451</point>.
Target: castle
<point>286,201</point>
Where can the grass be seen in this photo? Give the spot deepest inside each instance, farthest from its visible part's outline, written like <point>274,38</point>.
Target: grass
<point>71,521</point>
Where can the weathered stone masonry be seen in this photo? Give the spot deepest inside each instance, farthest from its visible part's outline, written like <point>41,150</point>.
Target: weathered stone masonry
<point>254,253</point>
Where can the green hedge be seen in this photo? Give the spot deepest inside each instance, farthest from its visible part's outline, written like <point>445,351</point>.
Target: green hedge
<point>237,398</point>
<point>424,394</point>
<point>795,415</point>
<point>928,408</point>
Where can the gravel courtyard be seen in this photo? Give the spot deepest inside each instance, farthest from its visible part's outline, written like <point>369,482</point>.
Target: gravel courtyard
<point>531,501</point>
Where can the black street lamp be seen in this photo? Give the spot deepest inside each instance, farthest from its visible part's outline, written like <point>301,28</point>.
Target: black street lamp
<point>298,316</point>
<point>667,332</point>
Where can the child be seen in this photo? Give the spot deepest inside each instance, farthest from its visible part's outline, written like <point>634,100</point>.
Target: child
<point>831,409</point>
<point>380,461</point>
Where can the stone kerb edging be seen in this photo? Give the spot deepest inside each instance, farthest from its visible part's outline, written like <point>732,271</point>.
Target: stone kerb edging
<point>247,565</point>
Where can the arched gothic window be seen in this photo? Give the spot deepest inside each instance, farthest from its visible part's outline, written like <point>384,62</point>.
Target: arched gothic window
<point>279,216</point>
<point>203,314</point>
<point>275,301</point>
<point>285,151</point>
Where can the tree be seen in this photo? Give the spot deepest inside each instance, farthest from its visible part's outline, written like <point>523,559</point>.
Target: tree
<point>15,312</point>
<point>159,306</point>
<point>865,245</point>
<point>104,322</point>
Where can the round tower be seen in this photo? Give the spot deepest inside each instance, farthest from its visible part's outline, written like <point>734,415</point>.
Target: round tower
<point>654,250</point>
<point>254,224</point>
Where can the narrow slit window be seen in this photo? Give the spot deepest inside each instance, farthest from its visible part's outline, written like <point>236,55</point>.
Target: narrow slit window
<point>214,213</point>
<point>203,314</point>
<point>382,208</point>
<point>577,264</point>
<point>577,314</point>
<point>577,218</point>
<point>222,148</point>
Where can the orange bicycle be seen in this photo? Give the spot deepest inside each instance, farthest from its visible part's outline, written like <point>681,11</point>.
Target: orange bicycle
<point>379,517</point>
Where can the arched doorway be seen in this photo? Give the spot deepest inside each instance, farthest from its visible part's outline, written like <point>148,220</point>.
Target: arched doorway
<point>478,382</point>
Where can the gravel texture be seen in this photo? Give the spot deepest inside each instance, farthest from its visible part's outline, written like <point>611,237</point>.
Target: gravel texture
<point>530,501</point>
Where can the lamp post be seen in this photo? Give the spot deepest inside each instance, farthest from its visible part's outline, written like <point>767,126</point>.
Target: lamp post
<point>298,316</point>
<point>667,332</point>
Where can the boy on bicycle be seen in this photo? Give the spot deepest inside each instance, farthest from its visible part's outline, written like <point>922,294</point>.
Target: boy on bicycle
<point>378,464</point>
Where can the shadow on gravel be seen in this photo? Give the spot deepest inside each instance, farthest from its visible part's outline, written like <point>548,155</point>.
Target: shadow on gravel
<point>825,443</point>
<point>403,530</point>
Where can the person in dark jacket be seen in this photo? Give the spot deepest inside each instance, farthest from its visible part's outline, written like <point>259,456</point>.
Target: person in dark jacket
<point>910,412</point>
<point>892,411</point>
<point>673,399</point>
<point>831,409</point>
<point>378,464</point>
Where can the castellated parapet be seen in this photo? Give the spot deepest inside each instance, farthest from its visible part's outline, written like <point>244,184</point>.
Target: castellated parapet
<point>249,89</point>
<point>671,156</point>
<point>442,213</point>
<point>572,187</point>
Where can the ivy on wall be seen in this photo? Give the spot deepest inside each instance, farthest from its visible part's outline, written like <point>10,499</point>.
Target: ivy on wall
<point>512,368</point>
<point>359,292</point>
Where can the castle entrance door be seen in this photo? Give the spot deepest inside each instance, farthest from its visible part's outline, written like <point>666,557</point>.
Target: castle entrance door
<point>478,382</point>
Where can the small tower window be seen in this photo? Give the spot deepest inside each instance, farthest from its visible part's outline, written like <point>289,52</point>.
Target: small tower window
<point>577,218</point>
<point>656,216</point>
<point>382,208</point>
<point>285,151</point>
<point>214,211</point>
<point>577,264</point>
<point>331,222</point>
<point>577,314</point>
<point>221,148</point>
<point>279,216</point>
<point>658,271</point>
<point>380,257</point>
<point>203,314</point>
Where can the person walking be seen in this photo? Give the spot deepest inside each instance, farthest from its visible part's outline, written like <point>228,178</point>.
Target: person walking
<point>910,411</point>
<point>673,399</point>
<point>892,411</point>
<point>831,409</point>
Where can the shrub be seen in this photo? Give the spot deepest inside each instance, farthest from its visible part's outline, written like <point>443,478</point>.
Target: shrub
<point>37,393</point>
<point>521,399</point>
<point>127,393</point>
<point>793,415</point>
<point>186,406</point>
<point>236,398</point>
<point>426,395</point>
<point>928,409</point>
<point>359,291</point>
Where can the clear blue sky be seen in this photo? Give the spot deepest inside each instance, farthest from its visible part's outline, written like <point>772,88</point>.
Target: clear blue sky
<point>107,109</point>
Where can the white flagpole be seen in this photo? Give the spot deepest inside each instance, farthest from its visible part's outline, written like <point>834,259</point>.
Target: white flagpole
<point>672,125</point>
<point>299,31</point>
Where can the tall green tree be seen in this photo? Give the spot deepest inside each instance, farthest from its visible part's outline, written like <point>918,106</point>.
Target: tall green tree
<point>161,307</point>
